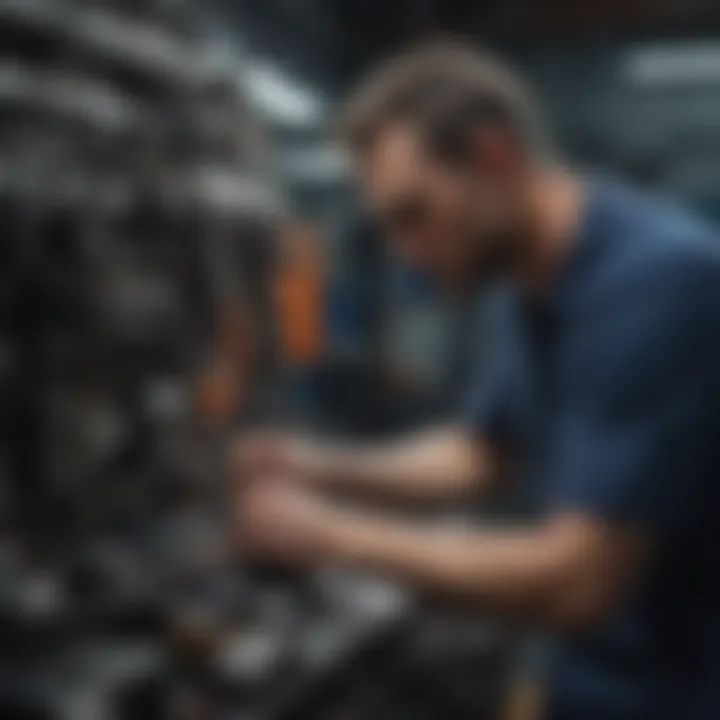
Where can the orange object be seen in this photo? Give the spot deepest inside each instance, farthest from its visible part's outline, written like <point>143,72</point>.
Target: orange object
<point>222,382</point>
<point>217,392</point>
<point>299,296</point>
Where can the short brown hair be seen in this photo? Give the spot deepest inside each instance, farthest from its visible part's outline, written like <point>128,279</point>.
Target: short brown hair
<point>447,90</point>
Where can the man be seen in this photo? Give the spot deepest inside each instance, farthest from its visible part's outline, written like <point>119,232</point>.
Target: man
<point>605,388</point>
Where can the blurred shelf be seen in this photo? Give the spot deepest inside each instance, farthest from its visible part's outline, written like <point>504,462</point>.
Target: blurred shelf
<point>146,48</point>
<point>92,103</point>
<point>229,194</point>
<point>141,47</point>
<point>34,14</point>
<point>229,191</point>
<point>63,194</point>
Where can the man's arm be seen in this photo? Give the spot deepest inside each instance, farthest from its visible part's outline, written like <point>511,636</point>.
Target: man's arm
<point>436,464</point>
<point>440,463</point>
<point>564,573</point>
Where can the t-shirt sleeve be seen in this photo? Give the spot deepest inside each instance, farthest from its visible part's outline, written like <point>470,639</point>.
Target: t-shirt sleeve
<point>639,420</point>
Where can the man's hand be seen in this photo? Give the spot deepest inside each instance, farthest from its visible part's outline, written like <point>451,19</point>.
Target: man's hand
<point>268,453</point>
<point>283,522</point>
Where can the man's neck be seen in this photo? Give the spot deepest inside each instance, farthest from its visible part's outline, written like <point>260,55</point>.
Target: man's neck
<point>555,200</point>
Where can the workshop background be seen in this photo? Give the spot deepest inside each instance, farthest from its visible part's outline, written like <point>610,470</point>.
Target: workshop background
<point>182,254</point>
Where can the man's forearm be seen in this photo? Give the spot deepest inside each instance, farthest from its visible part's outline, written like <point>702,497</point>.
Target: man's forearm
<point>432,465</point>
<point>525,573</point>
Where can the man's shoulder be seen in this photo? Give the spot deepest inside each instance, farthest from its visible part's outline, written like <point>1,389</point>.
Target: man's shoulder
<point>655,255</point>
<point>652,304</point>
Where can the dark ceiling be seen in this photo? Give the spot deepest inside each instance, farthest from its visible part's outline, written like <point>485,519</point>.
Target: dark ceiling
<point>332,40</point>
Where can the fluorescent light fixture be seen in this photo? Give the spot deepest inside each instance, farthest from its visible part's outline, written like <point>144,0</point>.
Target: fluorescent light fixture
<point>280,98</point>
<point>671,64</point>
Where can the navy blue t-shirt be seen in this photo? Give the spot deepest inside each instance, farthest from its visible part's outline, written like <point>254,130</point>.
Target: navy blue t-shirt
<point>608,388</point>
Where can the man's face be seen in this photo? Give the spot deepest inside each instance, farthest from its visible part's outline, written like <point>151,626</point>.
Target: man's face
<point>449,222</point>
